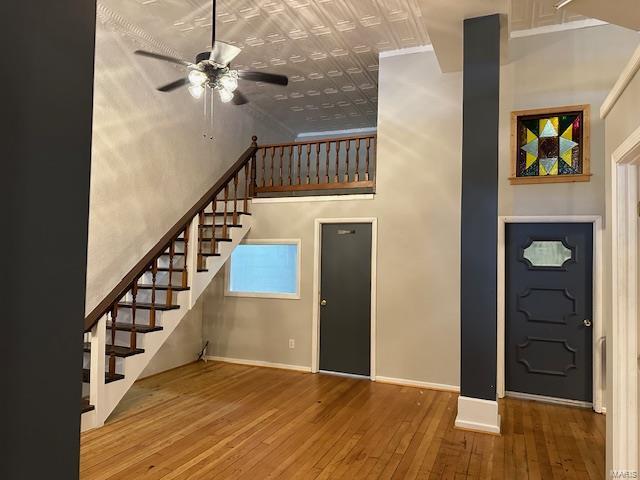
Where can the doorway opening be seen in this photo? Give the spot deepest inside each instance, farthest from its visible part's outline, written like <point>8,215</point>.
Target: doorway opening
<point>623,345</point>
<point>344,297</point>
<point>549,259</point>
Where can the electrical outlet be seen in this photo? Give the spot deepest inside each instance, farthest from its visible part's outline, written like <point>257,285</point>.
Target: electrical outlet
<point>292,343</point>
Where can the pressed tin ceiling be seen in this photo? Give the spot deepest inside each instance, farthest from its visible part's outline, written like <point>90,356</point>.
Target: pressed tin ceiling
<point>328,48</point>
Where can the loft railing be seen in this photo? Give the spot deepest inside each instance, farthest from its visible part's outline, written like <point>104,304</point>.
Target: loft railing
<point>344,165</point>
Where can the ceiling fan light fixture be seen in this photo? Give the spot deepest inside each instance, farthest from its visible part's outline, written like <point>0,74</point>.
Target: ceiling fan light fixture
<point>229,81</point>
<point>197,78</point>
<point>225,95</point>
<point>196,91</point>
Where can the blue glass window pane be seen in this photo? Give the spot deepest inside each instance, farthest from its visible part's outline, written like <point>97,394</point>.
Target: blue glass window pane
<point>264,269</point>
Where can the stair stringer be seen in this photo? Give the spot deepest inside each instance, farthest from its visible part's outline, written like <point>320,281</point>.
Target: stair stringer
<point>132,367</point>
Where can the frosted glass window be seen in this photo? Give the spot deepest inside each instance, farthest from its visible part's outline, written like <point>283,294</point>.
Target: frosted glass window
<point>547,253</point>
<point>264,269</point>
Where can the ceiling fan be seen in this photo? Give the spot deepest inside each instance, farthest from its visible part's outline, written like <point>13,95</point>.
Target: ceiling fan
<point>213,70</point>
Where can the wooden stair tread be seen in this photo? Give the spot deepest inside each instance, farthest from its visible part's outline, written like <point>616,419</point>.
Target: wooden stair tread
<point>127,327</point>
<point>85,406</point>
<point>174,269</point>
<point>210,239</point>
<point>175,254</point>
<point>149,306</point>
<point>149,286</point>
<point>108,378</point>
<point>118,351</point>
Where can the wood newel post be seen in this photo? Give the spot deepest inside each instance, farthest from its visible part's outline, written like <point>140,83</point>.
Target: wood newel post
<point>254,168</point>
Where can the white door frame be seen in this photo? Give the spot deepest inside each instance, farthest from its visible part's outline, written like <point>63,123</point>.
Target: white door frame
<point>623,338</point>
<point>317,249</point>
<point>598,330</point>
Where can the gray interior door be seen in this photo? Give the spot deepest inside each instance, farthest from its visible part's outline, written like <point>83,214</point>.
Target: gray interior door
<point>549,285</point>
<point>345,293</point>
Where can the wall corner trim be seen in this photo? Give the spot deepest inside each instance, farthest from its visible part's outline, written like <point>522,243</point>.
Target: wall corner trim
<point>259,363</point>
<point>406,51</point>
<point>621,84</point>
<point>478,415</point>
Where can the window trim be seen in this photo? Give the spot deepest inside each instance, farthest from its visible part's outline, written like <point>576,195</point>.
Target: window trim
<point>279,296</point>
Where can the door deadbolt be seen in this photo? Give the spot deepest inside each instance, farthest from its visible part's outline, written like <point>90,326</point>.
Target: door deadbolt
<point>587,322</point>
<point>323,302</point>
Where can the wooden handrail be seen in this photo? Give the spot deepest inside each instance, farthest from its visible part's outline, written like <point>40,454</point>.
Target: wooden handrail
<point>316,141</point>
<point>167,240</point>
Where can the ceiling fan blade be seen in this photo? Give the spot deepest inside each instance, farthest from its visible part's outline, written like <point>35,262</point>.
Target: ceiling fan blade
<point>164,58</point>
<point>223,53</point>
<point>239,98</point>
<point>264,77</point>
<point>174,85</point>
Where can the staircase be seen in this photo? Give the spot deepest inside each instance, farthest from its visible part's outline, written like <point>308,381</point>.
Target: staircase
<point>126,330</point>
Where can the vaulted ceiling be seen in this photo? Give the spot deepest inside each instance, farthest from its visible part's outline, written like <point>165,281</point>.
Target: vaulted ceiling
<point>328,48</point>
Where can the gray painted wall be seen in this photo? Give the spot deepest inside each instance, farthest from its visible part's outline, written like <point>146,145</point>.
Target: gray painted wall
<point>622,121</point>
<point>418,208</point>
<point>418,205</point>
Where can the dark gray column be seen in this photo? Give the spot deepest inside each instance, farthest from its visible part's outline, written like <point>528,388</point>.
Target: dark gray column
<point>46,86</point>
<point>479,207</point>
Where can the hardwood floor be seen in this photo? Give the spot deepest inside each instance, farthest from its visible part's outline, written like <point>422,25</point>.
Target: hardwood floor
<point>224,421</point>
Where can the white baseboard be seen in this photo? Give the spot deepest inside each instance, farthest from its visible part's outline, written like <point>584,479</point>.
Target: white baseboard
<point>478,415</point>
<point>259,363</point>
<point>418,384</point>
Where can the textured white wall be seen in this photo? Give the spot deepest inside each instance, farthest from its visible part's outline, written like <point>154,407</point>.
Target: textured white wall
<point>151,163</point>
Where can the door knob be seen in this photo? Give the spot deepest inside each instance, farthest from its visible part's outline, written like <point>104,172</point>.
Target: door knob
<point>587,322</point>
<point>323,302</point>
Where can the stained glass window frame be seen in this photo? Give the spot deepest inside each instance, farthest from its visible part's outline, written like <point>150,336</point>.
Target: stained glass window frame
<point>557,174</point>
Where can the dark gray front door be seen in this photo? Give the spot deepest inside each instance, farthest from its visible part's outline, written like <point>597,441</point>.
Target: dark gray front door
<point>549,285</point>
<point>345,292</point>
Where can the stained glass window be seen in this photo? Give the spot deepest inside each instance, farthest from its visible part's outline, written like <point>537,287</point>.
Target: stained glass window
<point>547,253</point>
<point>550,145</point>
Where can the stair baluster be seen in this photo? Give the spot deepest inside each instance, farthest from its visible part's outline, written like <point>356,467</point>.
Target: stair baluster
<point>154,277</point>
<point>185,252</point>
<point>356,177</point>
